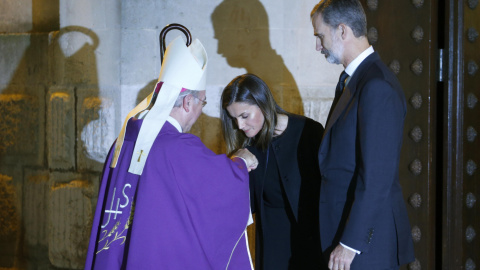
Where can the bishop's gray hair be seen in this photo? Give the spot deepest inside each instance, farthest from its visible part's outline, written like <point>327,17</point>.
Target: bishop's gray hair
<point>183,94</point>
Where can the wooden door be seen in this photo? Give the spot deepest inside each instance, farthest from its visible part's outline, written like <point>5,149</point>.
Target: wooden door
<point>461,118</point>
<point>405,35</point>
<point>433,48</point>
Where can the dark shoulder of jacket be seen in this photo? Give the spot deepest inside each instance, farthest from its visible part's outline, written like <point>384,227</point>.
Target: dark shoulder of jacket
<point>311,136</point>
<point>308,126</point>
<point>295,121</point>
<point>314,125</point>
<point>305,124</point>
<point>377,69</point>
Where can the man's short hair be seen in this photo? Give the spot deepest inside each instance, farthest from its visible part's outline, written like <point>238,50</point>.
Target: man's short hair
<point>348,12</point>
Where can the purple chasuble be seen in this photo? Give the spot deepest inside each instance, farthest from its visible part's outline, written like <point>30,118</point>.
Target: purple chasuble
<point>188,210</point>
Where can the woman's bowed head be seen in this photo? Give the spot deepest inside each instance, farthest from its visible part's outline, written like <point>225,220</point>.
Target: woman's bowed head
<point>249,114</point>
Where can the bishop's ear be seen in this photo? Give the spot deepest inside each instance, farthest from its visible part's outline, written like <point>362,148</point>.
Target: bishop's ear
<point>187,102</point>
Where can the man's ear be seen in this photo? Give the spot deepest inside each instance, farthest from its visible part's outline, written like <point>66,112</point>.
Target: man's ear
<point>187,100</point>
<point>343,30</point>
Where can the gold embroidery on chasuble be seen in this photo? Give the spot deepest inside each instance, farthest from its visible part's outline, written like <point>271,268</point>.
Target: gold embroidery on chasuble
<point>114,234</point>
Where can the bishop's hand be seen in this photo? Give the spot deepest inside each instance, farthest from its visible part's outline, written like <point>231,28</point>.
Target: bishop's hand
<point>249,158</point>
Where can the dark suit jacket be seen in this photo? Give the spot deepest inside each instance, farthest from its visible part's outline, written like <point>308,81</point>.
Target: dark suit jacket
<point>296,154</point>
<point>361,201</point>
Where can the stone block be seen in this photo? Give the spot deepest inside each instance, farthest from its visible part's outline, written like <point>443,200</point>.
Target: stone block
<point>196,19</point>
<point>140,55</point>
<point>95,129</point>
<point>92,14</point>
<point>15,16</point>
<point>138,15</point>
<point>214,93</point>
<point>61,128</point>
<point>81,13</point>
<point>33,68</point>
<point>131,95</point>
<point>12,49</point>
<point>108,57</point>
<point>297,14</point>
<point>24,57</point>
<point>21,129</point>
<point>70,216</point>
<point>317,109</point>
<point>219,71</point>
<point>36,189</point>
<point>288,97</point>
<point>10,215</point>
<point>154,14</point>
<point>72,56</point>
<point>209,130</point>
<point>112,14</point>
<point>45,15</point>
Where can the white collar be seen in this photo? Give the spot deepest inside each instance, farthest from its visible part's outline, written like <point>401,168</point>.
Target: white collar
<point>170,119</point>
<point>357,61</point>
<point>174,123</point>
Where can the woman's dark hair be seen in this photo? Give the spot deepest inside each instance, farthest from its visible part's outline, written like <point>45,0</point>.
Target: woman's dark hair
<point>252,90</point>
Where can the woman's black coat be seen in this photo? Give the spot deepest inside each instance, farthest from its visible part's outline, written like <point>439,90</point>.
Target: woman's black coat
<point>296,153</point>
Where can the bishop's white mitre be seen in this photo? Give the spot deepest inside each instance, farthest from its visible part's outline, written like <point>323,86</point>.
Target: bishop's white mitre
<point>182,68</point>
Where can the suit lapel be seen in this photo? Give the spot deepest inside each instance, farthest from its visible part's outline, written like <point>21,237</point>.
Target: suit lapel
<point>349,91</point>
<point>340,107</point>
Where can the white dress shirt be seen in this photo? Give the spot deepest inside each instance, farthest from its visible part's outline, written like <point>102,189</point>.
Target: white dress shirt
<point>174,123</point>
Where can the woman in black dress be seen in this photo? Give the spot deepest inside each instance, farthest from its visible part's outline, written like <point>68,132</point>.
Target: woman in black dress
<point>284,188</point>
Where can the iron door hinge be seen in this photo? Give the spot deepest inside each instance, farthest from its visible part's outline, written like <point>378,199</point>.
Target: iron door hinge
<point>440,72</point>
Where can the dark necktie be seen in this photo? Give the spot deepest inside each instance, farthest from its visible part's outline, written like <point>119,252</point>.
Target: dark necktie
<point>338,91</point>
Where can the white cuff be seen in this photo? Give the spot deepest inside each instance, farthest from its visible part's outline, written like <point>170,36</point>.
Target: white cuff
<point>347,247</point>
<point>244,160</point>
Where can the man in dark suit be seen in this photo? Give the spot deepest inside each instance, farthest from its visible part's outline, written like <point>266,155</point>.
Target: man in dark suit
<point>363,217</point>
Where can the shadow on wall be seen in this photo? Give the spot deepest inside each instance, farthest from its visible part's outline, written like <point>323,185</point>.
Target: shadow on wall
<point>145,91</point>
<point>243,34</point>
<point>50,140</point>
<point>209,130</point>
<point>22,137</point>
<point>242,30</point>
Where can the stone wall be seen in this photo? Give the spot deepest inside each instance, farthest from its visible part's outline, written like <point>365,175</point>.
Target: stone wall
<point>71,71</point>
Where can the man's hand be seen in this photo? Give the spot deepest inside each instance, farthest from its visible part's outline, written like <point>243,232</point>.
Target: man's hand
<point>341,258</point>
<point>249,158</point>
